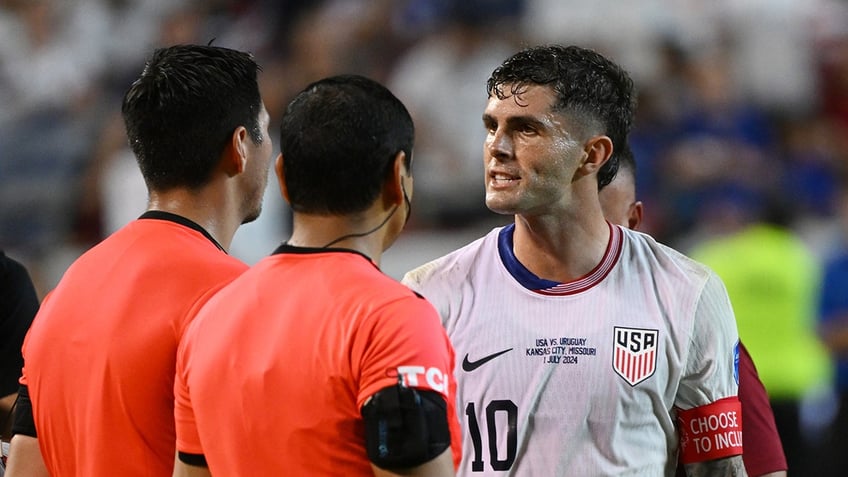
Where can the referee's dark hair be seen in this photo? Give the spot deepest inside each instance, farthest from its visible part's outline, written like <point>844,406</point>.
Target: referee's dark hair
<point>339,138</point>
<point>183,109</point>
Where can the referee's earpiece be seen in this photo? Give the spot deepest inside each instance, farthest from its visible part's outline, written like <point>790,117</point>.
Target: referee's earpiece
<point>401,165</point>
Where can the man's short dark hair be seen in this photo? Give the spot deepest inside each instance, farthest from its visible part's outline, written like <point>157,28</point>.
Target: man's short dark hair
<point>588,87</point>
<point>183,108</point>
<point>339,138</point>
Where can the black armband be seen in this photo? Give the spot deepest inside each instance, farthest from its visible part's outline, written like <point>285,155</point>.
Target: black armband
<point>23,423</point>
<point>197,460</point>
<point>405,427</point>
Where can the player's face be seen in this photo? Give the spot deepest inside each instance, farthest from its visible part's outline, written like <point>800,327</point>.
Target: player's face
<point>258,164</point>
<point>530,153</point>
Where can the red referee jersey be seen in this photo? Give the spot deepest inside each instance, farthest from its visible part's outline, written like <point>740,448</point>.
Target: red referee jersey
<point>273,372</point>
<point>99,357</point>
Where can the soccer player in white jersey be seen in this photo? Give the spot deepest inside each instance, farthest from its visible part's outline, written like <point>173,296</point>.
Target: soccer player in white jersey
<point>587,349</point>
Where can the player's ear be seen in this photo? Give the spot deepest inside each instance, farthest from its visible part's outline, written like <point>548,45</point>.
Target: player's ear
<point>598,150</point>
<point>634,215</point>
<point>280,171</point>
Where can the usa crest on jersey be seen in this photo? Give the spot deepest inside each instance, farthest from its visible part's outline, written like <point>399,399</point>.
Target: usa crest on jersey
<point>634,353</point>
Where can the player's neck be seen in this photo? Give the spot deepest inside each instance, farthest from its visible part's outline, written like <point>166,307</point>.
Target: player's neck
<point>560,249</point>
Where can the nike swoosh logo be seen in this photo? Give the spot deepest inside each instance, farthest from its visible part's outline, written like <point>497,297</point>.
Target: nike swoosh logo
<point>469,366</point>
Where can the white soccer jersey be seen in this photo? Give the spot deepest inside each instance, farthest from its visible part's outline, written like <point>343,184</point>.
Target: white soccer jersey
<point>581,378</point>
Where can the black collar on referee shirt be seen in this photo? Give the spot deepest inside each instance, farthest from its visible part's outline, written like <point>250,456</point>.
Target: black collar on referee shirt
<point>285,247</point>
<point>162,215</point>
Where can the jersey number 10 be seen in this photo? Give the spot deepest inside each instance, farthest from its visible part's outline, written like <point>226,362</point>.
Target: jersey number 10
<point>492,409</point>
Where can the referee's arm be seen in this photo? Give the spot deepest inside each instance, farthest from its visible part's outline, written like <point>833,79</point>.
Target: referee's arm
<point>25,459</point>
<point>181,469</point>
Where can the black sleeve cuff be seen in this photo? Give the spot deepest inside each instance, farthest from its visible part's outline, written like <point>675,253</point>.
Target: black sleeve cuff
<point>197,460</point>
<point>23,422</point>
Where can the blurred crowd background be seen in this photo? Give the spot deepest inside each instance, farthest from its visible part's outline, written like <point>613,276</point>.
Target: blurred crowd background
<point>742,120</point>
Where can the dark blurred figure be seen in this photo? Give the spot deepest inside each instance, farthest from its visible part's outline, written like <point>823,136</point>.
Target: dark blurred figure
<point>18,306</point>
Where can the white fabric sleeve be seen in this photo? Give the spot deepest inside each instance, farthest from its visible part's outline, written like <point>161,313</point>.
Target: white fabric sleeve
<point>712,366</point>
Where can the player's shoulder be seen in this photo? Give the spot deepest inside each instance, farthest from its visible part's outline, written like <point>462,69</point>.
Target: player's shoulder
<point>456,266</point>
<point>662,257</point>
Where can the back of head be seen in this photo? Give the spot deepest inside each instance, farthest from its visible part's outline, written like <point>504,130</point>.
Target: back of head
<point>589,88</point>
<point>339,138</point>
<point>618,199</point>
<point>626,165</point>
<point>182,110</point>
